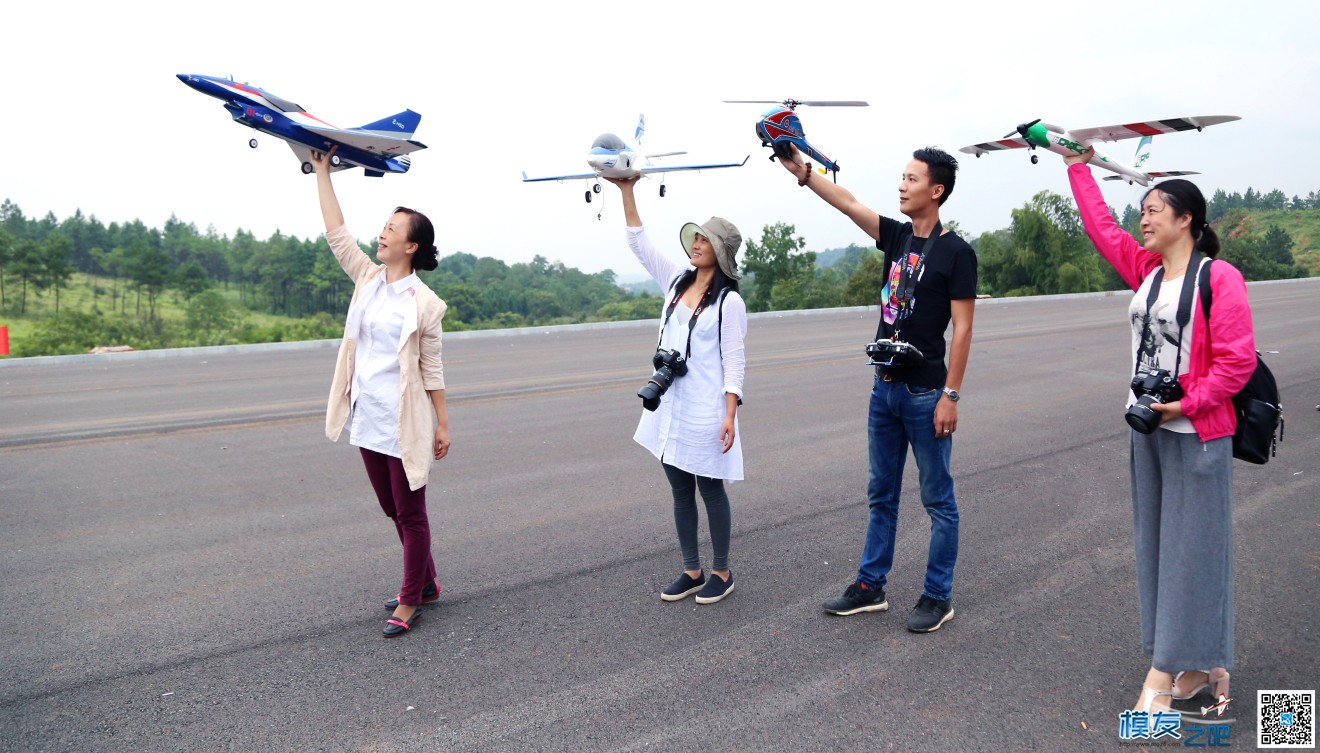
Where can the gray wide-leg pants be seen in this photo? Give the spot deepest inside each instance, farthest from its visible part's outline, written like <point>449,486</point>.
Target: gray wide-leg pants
<point>1182,506</point>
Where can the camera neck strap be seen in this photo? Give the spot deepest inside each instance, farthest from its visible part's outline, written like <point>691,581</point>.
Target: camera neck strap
<point>692,323</point>
<point>1184,314</point>
<point>908,276</point>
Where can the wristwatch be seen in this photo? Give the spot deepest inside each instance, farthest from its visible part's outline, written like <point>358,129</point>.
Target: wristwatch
<point>953,394</point>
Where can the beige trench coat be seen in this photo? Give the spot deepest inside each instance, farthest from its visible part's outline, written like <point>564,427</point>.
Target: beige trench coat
<point>420,367</point>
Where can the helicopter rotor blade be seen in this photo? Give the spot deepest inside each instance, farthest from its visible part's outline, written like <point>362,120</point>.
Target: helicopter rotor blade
<point>795,102</point>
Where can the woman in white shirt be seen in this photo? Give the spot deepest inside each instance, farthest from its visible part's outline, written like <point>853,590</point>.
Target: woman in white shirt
<point>690,421</point>
<point>389,384</point>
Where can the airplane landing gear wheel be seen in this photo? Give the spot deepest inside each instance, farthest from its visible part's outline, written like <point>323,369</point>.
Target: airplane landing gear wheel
<point>252,143</point>
<point>335,161</point>
<point>662,190</point>
<point>587,195</point>
<point>307,168</point>
<point>1034,159</point>
<point>595,188</point>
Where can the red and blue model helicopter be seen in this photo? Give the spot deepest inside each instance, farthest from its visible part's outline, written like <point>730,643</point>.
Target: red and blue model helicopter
<point>780,126</point>
<point>378,148</point>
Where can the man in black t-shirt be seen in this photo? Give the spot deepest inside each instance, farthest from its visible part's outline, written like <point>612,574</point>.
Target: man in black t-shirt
<point>930,281</point>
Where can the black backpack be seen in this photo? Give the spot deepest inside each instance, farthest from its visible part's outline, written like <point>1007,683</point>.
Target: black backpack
<point>1258,408</point>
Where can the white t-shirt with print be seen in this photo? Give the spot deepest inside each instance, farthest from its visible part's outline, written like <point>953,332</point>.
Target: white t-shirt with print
<point>1160,350</point>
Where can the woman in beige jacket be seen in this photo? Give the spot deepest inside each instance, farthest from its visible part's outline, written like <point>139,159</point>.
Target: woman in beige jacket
<point>389,384</point>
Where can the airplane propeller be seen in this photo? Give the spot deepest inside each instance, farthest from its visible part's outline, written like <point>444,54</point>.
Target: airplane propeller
<point>1022,129</point>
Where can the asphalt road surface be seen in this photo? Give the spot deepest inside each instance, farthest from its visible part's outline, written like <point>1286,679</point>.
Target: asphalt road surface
<point>188,564</point>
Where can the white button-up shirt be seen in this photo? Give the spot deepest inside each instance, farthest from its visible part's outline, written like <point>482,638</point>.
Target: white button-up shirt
<point>684,431</point>
<point>375,391</point>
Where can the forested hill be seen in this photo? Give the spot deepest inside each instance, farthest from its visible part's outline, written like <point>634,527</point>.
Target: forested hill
<point>73,284</point>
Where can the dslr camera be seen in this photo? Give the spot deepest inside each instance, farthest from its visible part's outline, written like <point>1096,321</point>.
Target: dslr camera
<point>1150,387</point>
<point>894,353</point>
<point>668,365</point>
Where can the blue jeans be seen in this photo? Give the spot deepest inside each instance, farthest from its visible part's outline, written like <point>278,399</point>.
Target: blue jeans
<point>901,416</point>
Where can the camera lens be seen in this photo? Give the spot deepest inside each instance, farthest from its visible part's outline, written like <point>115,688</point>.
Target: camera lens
<point>1141,417</point>
<point>651,392</point>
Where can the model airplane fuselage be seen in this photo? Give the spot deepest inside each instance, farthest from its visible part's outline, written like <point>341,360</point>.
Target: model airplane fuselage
<point>611,157</point>
<point>378,148</point>
<point>1065,142</point>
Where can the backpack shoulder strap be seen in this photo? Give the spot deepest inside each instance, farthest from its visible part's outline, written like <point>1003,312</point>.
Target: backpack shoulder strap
<point>1203,282</point>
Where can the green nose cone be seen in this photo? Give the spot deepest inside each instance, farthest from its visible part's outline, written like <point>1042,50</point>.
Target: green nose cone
<point>1039,135</point>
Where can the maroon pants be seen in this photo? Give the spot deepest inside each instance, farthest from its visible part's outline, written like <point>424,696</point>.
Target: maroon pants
<point>407,508</point>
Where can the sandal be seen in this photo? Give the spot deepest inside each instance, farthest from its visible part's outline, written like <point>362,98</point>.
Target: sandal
<point>1215,680</point>
<point>396,627</point>
<point>1149,696</point>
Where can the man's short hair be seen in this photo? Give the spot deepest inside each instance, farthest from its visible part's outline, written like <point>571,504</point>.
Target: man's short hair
<point>941,165</point>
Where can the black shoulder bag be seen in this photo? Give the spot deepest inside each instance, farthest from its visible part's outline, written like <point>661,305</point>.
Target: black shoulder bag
<point>1257,406</point>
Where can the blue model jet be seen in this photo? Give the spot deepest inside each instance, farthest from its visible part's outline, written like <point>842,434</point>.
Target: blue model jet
<point>378,148</point>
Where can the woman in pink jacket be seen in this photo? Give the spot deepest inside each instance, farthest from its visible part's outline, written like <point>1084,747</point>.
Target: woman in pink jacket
<point>1182,457</point>
<point>389,383</point>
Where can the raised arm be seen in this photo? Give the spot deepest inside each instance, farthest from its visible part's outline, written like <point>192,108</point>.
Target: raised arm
<point>330,211</point>
<point>630,216</point>
<point>661,269</point>
<point>1120,249</point>
<point>350,256</point>
<point>834,194</point>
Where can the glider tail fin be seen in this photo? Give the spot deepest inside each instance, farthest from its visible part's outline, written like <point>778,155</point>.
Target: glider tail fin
<point>402,125</point>
<point>641,129</point>
<point>1142,155</point>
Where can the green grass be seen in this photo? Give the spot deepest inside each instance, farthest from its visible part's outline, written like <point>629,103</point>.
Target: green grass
<point>1303,226</point>
<point>88,293</point>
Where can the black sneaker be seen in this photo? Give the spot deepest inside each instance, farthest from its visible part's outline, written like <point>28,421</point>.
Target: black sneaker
<point>682,588</point>
<point>929,614</point>
<point>857,598</point>
<point>716,589</point>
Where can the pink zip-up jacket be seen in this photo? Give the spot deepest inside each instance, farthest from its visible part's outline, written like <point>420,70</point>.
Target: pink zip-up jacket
<point>1220,364</point>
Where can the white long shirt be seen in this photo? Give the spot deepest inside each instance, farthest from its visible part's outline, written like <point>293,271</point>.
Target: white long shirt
<point>375,391</point>
<point>684,431</point>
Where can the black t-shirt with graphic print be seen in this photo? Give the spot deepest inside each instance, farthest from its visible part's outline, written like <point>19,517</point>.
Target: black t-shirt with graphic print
<point>948,273</point>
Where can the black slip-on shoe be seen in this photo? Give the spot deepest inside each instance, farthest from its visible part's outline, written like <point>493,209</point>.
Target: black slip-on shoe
<point>716,589</point>
<point>430,593</point>
<point>682,588</point>
<point>395,627</point>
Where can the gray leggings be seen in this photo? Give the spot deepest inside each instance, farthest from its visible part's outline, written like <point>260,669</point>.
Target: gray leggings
<point>1182,506</point>
<point>685,486</point>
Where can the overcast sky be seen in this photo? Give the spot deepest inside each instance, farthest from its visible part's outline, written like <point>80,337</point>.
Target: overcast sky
<point>95,119</point>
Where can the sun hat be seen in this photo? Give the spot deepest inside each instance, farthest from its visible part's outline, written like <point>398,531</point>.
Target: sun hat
<point>723,237</point>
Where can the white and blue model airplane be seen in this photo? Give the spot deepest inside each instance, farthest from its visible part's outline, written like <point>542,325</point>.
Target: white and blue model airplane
<point>611,157</point>
<point>378,148</point>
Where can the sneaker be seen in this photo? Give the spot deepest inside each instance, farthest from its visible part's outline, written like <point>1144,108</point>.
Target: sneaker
<point>716,589</point>
<point>857,598</point>
<point>929,614</point>
<point>682,588</point>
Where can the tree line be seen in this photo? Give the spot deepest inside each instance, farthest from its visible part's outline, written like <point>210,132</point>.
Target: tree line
<point>178,286</point>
